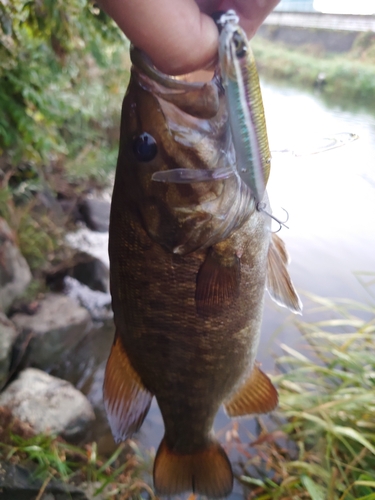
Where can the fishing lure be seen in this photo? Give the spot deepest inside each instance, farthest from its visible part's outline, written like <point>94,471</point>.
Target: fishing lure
<point>245,106</point>
<point>246,114</point>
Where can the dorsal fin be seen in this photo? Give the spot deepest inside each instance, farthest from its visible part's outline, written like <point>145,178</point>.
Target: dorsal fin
<point>279,284</point>
<point>126,399</point>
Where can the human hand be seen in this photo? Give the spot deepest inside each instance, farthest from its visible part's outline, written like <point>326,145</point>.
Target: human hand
<point>179,35</point>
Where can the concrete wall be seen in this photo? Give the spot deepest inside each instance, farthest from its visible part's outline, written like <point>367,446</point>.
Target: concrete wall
<point>329,40</point>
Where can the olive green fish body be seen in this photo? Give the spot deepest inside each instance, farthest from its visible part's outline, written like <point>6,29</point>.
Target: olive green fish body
<point>189,266</point>
<point>191,363</point>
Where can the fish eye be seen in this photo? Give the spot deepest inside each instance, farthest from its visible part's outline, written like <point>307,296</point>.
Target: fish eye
<point>144,147</point>
<point>239,44</point>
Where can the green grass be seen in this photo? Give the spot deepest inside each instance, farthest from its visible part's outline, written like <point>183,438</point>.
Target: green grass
<point>350,77</point>
<point>121,476</point>
<point>39,233</point>
<point>96,161</point>
<point>325,449</point>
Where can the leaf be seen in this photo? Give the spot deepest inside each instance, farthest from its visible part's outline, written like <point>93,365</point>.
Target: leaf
<point>355,435</point>
<point>371,496</point>
<point>315,490</point>
<point>252,480</point>
<point>370,484</point>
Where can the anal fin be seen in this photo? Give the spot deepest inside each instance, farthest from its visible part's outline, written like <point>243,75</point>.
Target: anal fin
<point>218,281</point>
<point>256,395</point>
<point>126,400</point>
<point>279,284</point>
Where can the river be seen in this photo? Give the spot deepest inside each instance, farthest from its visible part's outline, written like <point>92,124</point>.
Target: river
<point>330,199</point>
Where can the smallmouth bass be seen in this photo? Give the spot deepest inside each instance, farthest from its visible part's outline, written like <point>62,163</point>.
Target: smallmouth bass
<point>190,258</point>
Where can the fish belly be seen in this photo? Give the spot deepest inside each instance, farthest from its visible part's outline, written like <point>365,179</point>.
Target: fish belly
<point>189,361</point>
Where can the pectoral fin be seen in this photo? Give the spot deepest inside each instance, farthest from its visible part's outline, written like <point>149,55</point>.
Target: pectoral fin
<point>126,400</point>
<point>279,284</point>
<point>218,281</point>
<point>256,395</point>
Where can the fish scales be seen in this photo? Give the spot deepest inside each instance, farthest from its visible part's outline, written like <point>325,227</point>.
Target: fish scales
<point>161,287</point>
<point>189,265</point>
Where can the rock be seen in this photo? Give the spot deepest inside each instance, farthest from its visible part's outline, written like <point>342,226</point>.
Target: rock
<point>48,404</point>
<point>84,367</point>
<point>99,304</point>
<point>92,273</point>
<point>58,325</point>
<point>95,214</point>
<point>8,335</point>
<point>15,273</point>
<point>11,426</point>
<point>69,206</point>
<point>91,242</point>
<point>19,483</point>
<point>85,268</point>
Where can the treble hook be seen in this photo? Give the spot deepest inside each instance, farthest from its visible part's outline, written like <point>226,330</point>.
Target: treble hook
<point>261,208</point>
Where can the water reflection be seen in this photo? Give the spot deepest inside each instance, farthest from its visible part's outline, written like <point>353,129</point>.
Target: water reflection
<point>330,197</point>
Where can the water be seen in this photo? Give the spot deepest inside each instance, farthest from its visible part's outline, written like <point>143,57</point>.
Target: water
<point>330,198</point>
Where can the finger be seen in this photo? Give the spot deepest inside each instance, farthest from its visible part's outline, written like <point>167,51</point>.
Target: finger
<point>178,39</point>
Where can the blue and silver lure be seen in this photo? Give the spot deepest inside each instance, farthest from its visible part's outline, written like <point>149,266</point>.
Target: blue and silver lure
<point>246,115</point>
<point>245,106</point>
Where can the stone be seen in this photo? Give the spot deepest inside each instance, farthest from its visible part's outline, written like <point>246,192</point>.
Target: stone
<point>8,335</point>
<point>11,426</point>
<point>15,273</point>
<point>48,404</point>
<point>99,304</point>
<point>92,273</point>
<point>19,483</point>
<point>85,268</point>
<point>58,325</point>
<point>95,214</point>
<point>84,367</point>
<point>92,242</point>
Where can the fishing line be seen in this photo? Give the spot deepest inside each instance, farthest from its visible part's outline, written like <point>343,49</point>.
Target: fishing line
<point>261,208</point>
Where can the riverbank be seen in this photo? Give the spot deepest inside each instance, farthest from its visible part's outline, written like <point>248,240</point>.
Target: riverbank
<point>320,417</point>
<point>343,78</point>
<point>319,444</point>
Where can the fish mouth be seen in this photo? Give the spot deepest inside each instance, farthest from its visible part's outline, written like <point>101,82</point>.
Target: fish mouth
<point>196,115</point>
<point>144,64</point>
<point>198,99</point>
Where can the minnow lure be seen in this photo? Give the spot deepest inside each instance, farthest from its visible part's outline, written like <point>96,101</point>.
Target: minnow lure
<point>245,106</point>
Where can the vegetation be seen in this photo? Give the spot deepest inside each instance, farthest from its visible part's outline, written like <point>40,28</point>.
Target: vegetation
<point>118,477</point>
<point>348,77</point>
<point>63,73</point>
<point>324,448</point>
<point>58,62</point>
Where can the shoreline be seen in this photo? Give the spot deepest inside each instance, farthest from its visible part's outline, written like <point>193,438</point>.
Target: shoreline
<point>342,78</point>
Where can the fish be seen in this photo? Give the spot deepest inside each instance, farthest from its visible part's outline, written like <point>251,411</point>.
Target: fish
<point>190,259</point>
<point>245,105</point>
